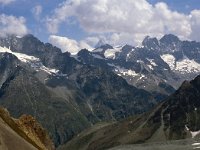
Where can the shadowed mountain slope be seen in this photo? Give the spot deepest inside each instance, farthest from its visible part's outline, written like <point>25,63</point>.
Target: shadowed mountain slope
<point>174,119</point>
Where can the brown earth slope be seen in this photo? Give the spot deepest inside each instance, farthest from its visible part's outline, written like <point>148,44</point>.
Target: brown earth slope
<point>9,139</point>
<point>24,133</point>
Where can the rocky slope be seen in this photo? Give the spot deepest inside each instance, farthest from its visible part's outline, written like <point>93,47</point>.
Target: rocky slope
<point>14,133</point>
<point>35,131</point>
<point>175,118</point>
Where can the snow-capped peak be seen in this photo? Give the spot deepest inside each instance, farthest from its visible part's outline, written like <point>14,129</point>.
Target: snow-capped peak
<point>110,53</point>
<point>33,61</point>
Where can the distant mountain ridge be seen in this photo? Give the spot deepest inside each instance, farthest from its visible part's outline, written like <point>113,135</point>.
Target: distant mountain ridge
<point>158,66</point>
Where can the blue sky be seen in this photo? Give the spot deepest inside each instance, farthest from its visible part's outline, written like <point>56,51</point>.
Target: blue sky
<point>75,24</point>
<point>184,6</point>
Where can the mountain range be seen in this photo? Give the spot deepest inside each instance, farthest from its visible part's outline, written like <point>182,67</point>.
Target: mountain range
<point>70,93</point>
<point>158,66</point>
<point>63,94</point>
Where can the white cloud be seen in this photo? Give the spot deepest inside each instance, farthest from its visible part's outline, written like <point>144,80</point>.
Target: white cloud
<point>37,10</point>
<point>129,20</point>
<point>6,2</point>
<point>67,44</point>
<point>92,40</point>
<point>195,23</point>
<point>167,21</point>
<point>12,25</point>
<point>61,14</point>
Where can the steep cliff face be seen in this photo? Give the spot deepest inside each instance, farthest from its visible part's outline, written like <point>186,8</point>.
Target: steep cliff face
<point>22,134</point>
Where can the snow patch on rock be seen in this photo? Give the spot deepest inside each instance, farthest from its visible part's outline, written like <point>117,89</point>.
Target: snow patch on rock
<point>193,133</point>
<point>33,61</point>
<point>97,50</point>
<point>169,59</point>
<point>110,53</point>
<point>152,62</point>
<point>125,72</point>
<point>185,65</point>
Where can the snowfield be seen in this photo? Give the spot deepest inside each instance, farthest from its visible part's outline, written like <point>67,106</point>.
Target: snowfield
<point>185,65</point>
<point>33,61</point>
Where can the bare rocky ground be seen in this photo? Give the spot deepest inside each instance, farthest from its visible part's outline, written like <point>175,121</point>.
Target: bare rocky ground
<point>10,140</point>
<point>188,144</point>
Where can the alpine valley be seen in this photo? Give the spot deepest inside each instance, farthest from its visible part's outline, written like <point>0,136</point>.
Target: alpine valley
<point>107,97</point>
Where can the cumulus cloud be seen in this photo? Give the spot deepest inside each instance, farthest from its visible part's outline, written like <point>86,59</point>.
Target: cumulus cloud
<point>67,44</point>
<point>12,25</point>
<point>131,20</point>
<point>170,21</point>
<point>37,10</point>
<point>61,14</point>
<point>6,2</point>
<point>195,24</point>
<point>93,40</point>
